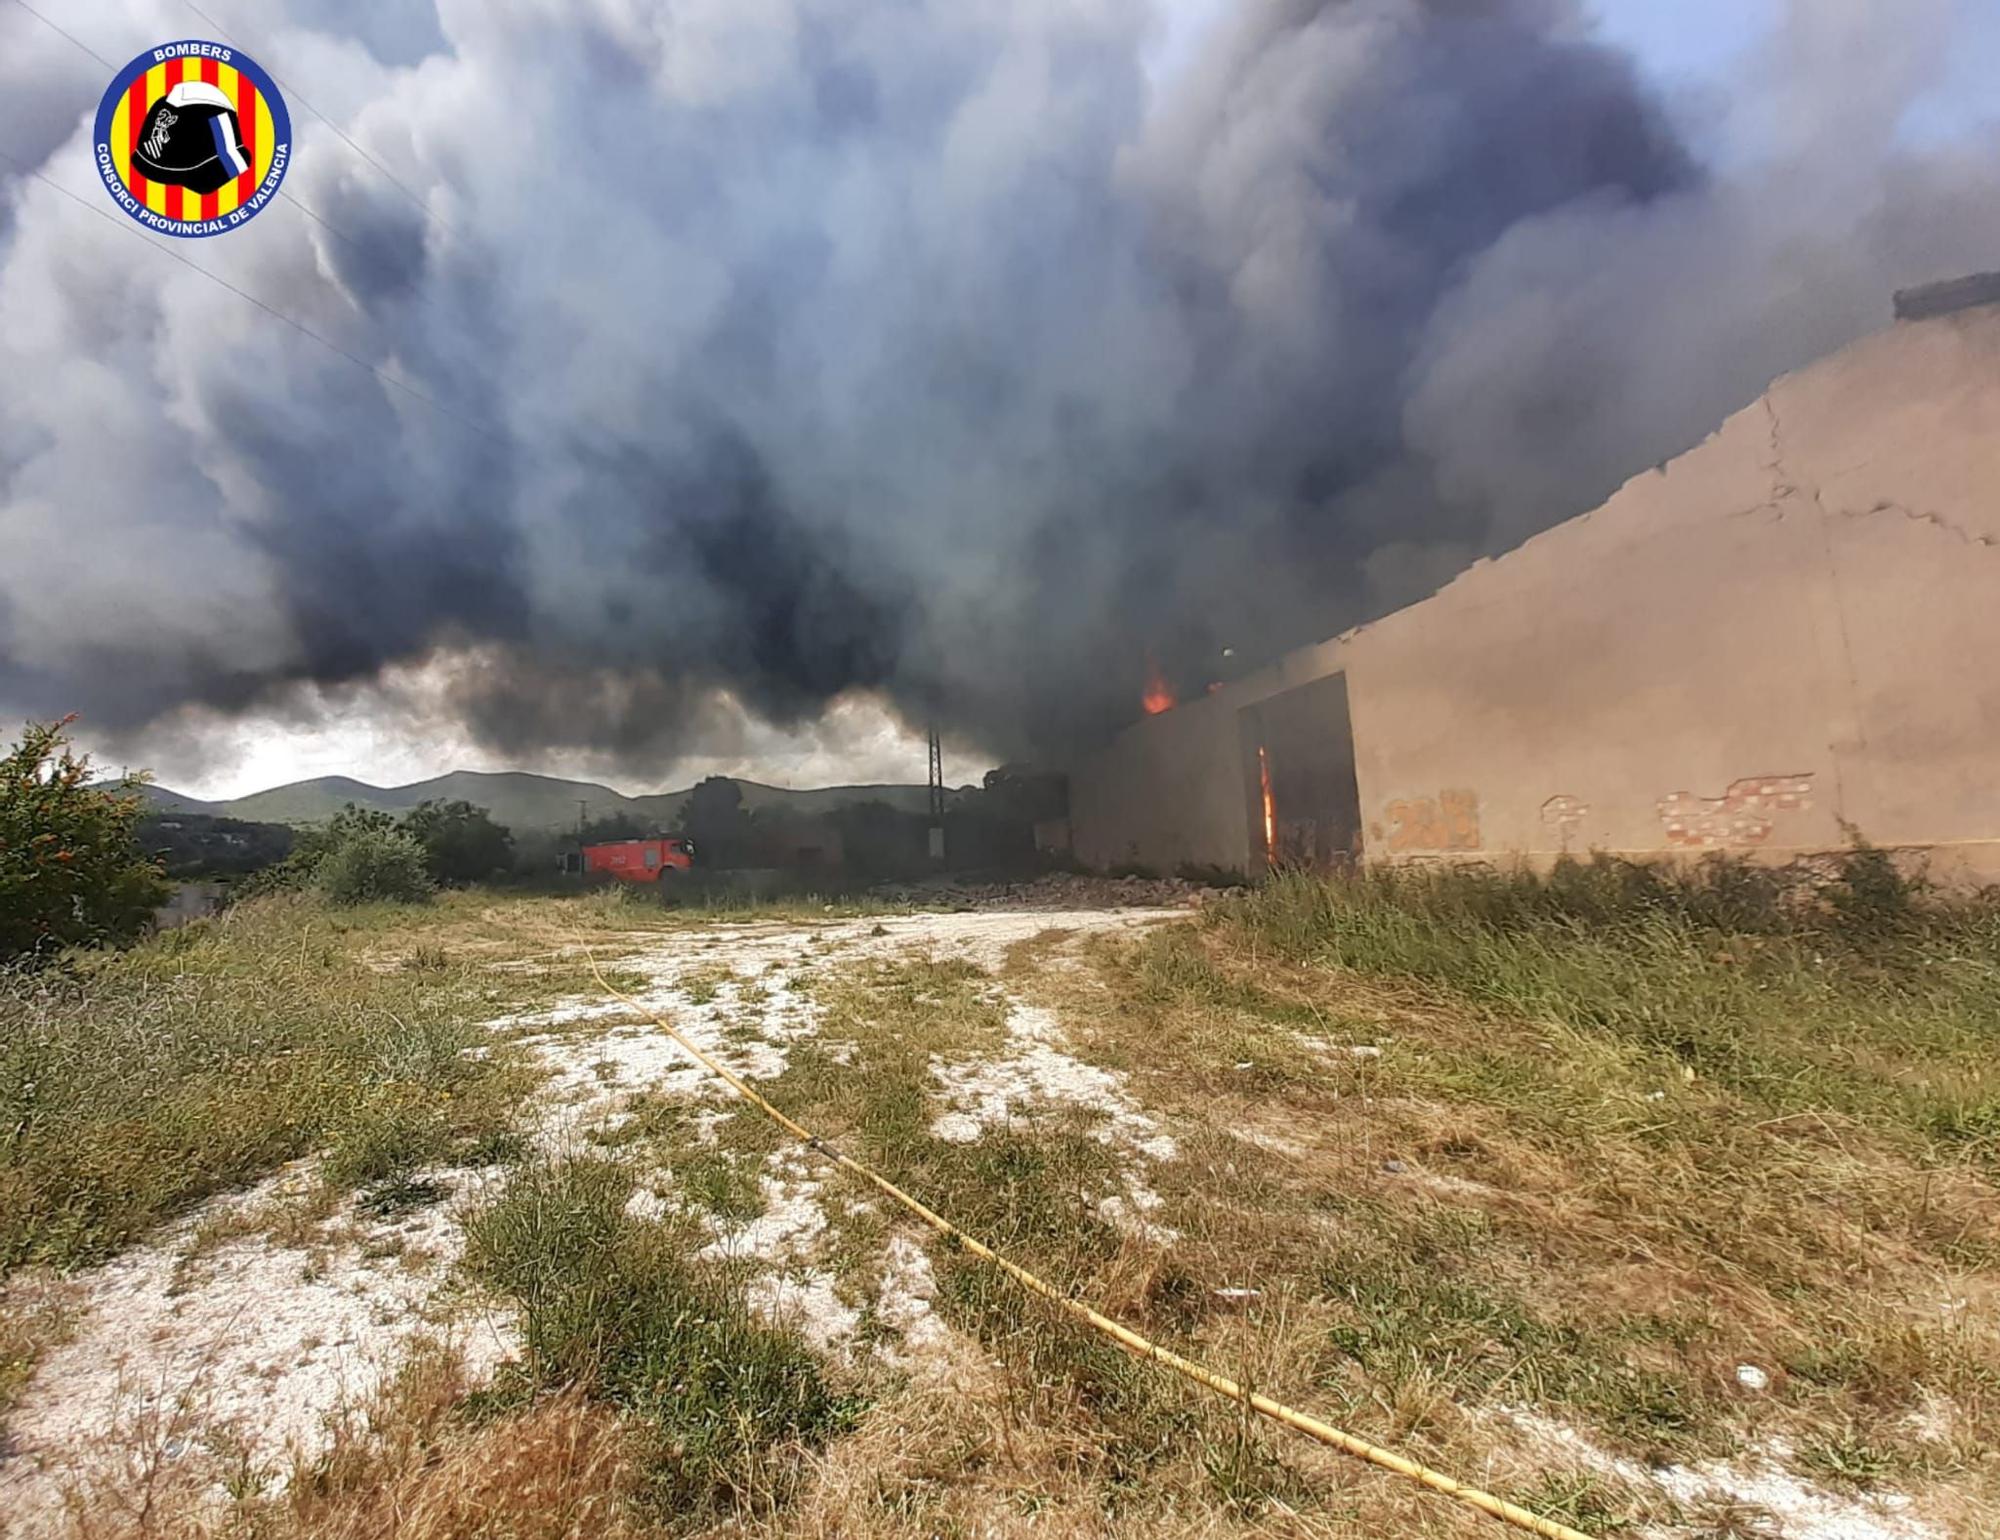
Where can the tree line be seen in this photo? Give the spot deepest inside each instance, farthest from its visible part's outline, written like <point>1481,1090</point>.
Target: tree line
<point>83,862</point>
<point>363,855</point>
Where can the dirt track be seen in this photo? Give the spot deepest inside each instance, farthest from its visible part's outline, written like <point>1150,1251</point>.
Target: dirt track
<point>231,1339</point>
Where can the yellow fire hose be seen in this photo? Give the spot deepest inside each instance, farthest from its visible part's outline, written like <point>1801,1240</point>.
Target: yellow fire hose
<point>1124,1336</point>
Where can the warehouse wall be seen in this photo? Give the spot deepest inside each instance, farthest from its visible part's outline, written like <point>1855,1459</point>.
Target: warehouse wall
<point>1791,628</point>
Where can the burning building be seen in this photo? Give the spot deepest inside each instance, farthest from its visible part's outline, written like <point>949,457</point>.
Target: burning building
<point>1781,637</point>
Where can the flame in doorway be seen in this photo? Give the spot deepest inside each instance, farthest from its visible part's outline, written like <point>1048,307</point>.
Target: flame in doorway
<point>1270,807</point>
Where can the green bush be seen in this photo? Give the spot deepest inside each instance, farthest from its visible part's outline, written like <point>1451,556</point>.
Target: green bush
<point>71,870</point>
<point>374,866</point>
<point>456,843</point>
<point>461,842</point>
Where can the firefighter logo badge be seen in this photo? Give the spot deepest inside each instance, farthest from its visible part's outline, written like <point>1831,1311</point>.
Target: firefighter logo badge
<point>193,139</point>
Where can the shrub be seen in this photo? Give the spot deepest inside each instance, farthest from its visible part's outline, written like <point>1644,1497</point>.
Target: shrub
<point>371,866</point>
<point>461,842</point>
<point>312,845</point>
<point>71,871</point>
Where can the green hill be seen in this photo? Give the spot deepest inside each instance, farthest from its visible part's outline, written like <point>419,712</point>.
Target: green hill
<point>524,803</point>
<point>161,800</point>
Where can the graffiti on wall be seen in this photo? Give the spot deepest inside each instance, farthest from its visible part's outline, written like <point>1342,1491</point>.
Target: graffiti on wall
<point>1448,821</point>
<point>1745,814</point>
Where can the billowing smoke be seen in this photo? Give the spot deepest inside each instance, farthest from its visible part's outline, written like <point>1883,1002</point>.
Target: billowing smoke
<point>777,349</point>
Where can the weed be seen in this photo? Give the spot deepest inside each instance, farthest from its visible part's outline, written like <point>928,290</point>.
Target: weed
<point>1852,999</point>
<point>1847,1457</point>
<point>617,1306</point>
<point>720,1182</point>
<point>1617,1130</point>
<point>397,1126</point>
<point>400,1195</point>
<point>1724,1518</point>
<point>702,985</point>
<point>1418,1303</point>
<point>1579,1499</point>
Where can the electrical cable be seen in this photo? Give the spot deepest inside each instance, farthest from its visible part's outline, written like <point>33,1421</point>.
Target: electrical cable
<point>1131,1341</point>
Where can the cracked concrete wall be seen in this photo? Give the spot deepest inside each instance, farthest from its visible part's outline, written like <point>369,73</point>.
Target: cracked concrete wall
<point>1792,628</point>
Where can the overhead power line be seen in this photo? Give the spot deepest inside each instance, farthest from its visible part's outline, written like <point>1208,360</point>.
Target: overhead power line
<point>269,309</point>
<point>293,198</point>
<point>23,4</point>
<point>292,94</point>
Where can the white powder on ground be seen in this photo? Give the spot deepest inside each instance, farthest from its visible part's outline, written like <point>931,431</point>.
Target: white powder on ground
<point>262,1345</point>
<point>957,1128</point>
<point>1277,1144</point>
<point>904,1304</point>
<point>1038,1073</point>
<point>1936,1418</point>
<point>983,939</point>
<point>1802,1510</point>
<point>807,1301</point>
<point>580,1098</point>
<point>793,1217</point>
<point>252,1344</point>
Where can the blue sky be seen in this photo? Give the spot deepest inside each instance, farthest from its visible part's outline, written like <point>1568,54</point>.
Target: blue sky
<point>1700,42</point>
<point>1687,39</point>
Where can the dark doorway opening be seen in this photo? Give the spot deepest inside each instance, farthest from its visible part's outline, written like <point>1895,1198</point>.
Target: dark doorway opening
<point>1298,769</point>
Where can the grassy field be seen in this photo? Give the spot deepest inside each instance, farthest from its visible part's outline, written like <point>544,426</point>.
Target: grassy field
<point>1548,1182</point>
<point>1589,1146</point>
<point>133,1084</point>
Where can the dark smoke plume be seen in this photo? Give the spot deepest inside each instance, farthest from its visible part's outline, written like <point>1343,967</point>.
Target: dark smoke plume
<point>920,346</point>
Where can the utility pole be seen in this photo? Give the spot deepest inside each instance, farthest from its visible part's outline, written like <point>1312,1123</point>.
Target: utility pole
<point>937,798</point>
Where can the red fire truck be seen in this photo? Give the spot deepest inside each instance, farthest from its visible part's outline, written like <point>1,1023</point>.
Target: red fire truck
<point>657,860</point>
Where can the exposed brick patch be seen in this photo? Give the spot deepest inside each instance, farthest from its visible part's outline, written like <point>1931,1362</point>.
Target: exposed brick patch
<point>1745,814</point>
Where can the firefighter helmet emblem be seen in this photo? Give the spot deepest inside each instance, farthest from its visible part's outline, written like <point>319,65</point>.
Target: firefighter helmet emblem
<point>193,139</point>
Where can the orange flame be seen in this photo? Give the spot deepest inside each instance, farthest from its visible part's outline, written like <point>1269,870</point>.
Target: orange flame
<point>1270,807</point>
<point>1159,695</point>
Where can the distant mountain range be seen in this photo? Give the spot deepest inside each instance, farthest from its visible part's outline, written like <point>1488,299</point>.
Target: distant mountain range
<point>522,802</point>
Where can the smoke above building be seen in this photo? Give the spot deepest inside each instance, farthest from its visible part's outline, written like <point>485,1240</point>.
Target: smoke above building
<point>769,351</point>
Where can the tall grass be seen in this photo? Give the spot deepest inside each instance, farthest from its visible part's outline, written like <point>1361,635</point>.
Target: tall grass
<point>1862,995</point>
<point>135,1084</point>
